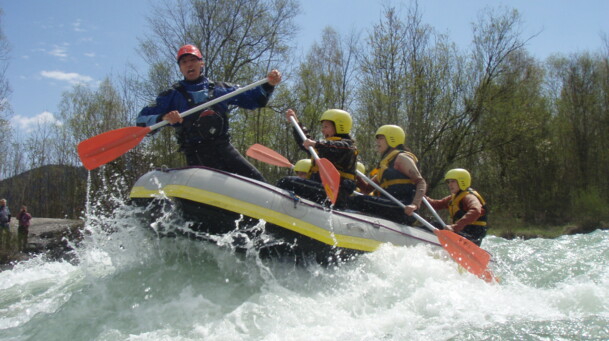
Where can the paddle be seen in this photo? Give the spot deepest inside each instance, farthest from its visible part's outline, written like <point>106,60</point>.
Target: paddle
<point>103,148</point>
<point>463,251</point>
<point>330,177</point>
<point>435,214</point>
<point>267,155</point>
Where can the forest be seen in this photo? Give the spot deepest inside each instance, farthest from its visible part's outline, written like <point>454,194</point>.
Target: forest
<point>534,134</point>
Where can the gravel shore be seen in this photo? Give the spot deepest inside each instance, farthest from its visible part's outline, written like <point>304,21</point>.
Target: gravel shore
<point>47,236</point>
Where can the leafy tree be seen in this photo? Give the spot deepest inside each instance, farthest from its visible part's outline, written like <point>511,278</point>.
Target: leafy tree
<point>580,87</point>
<point>323,81</point>
<point>411,77</point>
<point>517,143</point>
<point>5,91</point>
<point>89,112</point>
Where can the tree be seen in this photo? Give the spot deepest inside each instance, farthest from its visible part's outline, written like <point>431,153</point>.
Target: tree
<point>5,91</point>
<point>411,77</point>
<point>517,138</point>
<point>380,94</point>
<point>581,123</point>
<point>101,110</point>
<point>324,80</point>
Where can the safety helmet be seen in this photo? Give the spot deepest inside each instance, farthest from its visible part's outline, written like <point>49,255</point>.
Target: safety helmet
<point>394,135</point>
<point>361,168</point>
<point>342,120</point>
<point>461,175</point>
<point>303,165</point>
<point>189,49</point>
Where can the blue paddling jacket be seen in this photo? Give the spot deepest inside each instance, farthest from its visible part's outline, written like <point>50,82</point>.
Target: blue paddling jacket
<point>210,124</point>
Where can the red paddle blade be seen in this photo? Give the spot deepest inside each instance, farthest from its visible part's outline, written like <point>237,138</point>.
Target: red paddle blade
<point>267,155</point>
<point>330,178</point>
<point>467,254</point>
<point>103,148</point>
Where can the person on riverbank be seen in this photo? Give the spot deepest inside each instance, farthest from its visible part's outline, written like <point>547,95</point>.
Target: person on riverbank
<point>396,173</point>
<point>467,208</point>
<point>23,217</point>
<point>338,147</point>
<point>5,219</point>
<point>204,137</point>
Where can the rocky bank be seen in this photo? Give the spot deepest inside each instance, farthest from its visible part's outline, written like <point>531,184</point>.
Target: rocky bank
<point>47,236</point>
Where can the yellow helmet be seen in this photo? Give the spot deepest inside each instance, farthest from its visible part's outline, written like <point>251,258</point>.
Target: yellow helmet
<point>303,165</point>
<point>361,168</point>
<point>342,120</point>
<point>461,175</point>
<point>394,135</point>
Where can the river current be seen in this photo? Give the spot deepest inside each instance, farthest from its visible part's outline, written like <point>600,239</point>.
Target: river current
<point>126,283</point>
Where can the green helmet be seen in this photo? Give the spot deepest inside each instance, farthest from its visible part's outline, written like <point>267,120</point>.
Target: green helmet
<point>461,175</point>
<point>341,119</point>
<point>394,135</point>
<point>303,165</point>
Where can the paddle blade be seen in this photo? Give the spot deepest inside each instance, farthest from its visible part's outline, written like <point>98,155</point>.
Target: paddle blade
<point>267,155</point>
<point>103,148</point>
<point>330,178</point>
<point>467,254</point>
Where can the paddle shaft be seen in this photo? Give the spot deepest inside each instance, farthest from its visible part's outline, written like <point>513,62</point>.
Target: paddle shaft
<point>435,213</point>
<point>303,137</point>
<point>212,102</point>
<point>330,177</point>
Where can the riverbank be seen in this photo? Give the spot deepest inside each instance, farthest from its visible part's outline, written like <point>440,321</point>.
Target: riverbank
<point>513,228</point>
<point>50,237</point>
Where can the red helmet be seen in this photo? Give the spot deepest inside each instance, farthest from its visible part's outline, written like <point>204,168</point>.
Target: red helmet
<point>189,49</point>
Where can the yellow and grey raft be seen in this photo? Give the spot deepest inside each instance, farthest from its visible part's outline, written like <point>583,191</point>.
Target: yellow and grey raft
<point>217,203</point>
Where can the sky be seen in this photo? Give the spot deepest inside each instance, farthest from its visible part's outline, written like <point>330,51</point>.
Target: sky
<point>56,44</point>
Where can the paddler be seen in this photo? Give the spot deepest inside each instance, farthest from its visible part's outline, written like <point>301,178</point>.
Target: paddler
<point>467,208</point>
<point>204,137</point>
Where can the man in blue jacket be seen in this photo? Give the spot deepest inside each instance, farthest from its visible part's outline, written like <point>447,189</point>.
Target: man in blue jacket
<point>204,136</point>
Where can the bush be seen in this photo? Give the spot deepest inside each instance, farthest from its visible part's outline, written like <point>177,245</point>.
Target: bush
<point>589,210</point>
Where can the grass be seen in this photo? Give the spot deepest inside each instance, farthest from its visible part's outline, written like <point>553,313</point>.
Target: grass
<point>509,227</point>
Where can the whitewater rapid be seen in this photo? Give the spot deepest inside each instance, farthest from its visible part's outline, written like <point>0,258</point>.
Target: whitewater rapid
<point>129,284</point>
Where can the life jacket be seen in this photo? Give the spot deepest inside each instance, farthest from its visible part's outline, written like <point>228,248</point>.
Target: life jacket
<point>393,181</point>
<point>5,215</point>
<point>457,212</point>
<point>24,219</point>
<point>346,164</point>
<point>208,124</point>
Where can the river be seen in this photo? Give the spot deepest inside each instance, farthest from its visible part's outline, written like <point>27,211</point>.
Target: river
<point>131,285</point>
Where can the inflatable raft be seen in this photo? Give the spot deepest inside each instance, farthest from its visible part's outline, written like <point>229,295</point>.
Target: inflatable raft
<point>215,203</point>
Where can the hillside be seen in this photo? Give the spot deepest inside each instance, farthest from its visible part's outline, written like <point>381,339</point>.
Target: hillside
<point>50,191</point>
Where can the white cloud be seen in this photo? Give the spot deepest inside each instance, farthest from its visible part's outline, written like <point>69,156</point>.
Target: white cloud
<point>29,124</point>
<point>90,54</point>
<point>59,51</point>
<point>70,77</point>
<point>77,26</point>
